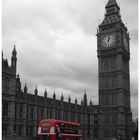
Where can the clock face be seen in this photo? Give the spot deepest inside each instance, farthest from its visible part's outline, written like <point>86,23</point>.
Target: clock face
<point>108,40</point>
<point>125,42</point>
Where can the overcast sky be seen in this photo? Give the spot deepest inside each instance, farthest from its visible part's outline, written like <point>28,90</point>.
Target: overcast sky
<point>56,44</point>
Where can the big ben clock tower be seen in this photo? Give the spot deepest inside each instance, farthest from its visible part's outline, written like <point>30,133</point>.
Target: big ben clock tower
<point>113,50</point>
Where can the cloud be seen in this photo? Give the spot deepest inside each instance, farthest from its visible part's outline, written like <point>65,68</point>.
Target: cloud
<point>56,44</point>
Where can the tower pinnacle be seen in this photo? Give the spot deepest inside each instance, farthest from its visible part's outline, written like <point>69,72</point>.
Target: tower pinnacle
<point>14,59</point>
<point>14,52</point>
<point>36,91</point>
<point>111,3</point>
<point>85,98</point>
<point>25,88</point>
<point>62,97</point>
<point>45,94</point>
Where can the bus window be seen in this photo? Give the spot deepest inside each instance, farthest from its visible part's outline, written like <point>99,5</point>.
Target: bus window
<point>47,124</point>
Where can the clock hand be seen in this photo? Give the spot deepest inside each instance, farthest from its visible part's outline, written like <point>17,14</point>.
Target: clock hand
<point>108,38</point>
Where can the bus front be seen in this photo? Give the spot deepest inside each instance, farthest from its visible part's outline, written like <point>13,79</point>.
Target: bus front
<point>46,130</point>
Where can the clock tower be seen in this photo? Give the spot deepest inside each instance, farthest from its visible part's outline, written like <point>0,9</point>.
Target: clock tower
<point>115,117</point>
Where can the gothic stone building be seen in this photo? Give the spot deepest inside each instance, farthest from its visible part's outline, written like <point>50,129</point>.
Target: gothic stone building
<point>112,118</point>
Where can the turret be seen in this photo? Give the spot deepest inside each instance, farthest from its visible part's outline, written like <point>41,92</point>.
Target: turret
<point>25,88</point>
<point>69,99</point>
<point>62,97</point>
<point>36,91</point>
<point>85,98</point>
<point>14,59</point>
<point>76,100</point>
<point>112,7</point>
<point>54,95</point>
<point>45,94</point>
<point>90,103</point>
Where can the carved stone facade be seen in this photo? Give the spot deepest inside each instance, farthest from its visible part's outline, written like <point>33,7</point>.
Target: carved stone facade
<point>112,118</point>
<point>22,111</point>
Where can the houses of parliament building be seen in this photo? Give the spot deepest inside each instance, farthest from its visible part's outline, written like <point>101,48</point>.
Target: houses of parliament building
<point>21,111</point>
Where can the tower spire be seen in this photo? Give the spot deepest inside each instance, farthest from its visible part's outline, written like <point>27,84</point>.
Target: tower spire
<point>25,88</point>
<point>62,97</point>
<point>14,52</point>
<point>111,3</point>
<point>54,95</point>
<point>69,99</point>
<point>45,93</point>
<point>112,14</point>
<point>85,98</point>
<point>36,91</point>
<point>14,58</point>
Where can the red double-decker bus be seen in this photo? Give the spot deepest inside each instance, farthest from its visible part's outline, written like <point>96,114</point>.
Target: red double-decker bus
<point>58,130</point>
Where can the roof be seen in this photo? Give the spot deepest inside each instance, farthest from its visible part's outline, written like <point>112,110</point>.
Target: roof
<point>111,3</point>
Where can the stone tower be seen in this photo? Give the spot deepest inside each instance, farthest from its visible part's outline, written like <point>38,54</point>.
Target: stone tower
<point>113,51</point>
<point>9,94</point>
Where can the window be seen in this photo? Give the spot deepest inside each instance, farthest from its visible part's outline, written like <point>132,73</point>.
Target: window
<point>96,122</point>
<point>72,117</point>
<point>32,113</point>
<point>20,130</point>
<point>15,110</point>
<point>4,108</point>
<point>95,132</point>
<point>106,133</point>
<point>107,118</point>
<point>21,109</point>
<point>15,129</point>
<point>50,110</point>
<point>31,130</point>
<point>4,129</point>
<point>79,118</point>
<point>59,114</point>
<point>27,115</point>
<point>114,133</point>
<point>114,118</point>
<point>41,113</point>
